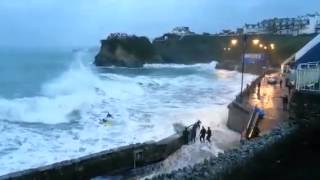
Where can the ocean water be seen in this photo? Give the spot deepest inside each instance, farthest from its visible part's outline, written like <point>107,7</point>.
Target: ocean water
<point>51,103</point>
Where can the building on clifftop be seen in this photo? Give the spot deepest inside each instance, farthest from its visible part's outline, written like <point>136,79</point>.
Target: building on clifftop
<point>182,31</point>
<point>308,24</point>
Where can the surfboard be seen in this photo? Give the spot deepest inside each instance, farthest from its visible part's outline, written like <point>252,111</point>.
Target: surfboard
<point>106,122</point>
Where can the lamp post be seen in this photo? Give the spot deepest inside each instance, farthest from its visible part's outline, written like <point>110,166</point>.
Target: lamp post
<point>243,43</point>
<point>244,47</point>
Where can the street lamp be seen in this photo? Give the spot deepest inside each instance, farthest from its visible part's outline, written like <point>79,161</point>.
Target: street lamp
<point>272,46</point>
<point>234,42</point>
<point>243,43</point>
<point>227,49</point>
<point>255,41</point>
<point>244,48</point>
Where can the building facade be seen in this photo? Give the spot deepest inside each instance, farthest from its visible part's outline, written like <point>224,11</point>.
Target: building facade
<point>307,24</point>
<point>182,31</point>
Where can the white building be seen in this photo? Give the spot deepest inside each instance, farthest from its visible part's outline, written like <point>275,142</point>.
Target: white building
<point>307,24</point>
<point>182,31</point>
<point>253,29</point>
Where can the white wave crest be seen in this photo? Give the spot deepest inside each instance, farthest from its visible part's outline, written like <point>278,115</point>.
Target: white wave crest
<point>211,66</point>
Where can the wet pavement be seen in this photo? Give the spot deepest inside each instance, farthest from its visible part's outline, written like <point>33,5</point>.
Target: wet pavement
<point>270,100</point>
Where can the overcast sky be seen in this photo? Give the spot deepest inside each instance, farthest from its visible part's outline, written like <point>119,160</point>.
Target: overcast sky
<point>79,23</point>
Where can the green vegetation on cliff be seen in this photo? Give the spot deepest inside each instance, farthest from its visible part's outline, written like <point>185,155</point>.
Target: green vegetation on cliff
<point>133,51</point>
<point>203,48</point>
<point>129,51</point>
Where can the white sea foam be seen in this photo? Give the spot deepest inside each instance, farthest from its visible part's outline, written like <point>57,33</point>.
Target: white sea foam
<point>63,122</point>
<point>206,66</point>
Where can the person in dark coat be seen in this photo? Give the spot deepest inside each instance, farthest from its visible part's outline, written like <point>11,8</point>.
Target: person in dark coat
<point>109,115</point>
<point>194,130</point>
<point>285,102</point>
<point>186,135</point>
<point>209,133</point>
<point>289,88</point>
<point>280,82</point>
<point>202,134</point>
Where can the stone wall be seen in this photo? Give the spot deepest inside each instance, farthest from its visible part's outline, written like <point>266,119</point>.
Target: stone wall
<point>106,162</point>
<point>238,115</point>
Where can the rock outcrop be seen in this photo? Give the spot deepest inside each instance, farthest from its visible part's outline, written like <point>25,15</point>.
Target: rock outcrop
<point>124,50</point>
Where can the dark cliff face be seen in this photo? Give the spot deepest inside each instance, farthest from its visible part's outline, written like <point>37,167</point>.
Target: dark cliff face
<point>128,51</point>
<point>133,51</point>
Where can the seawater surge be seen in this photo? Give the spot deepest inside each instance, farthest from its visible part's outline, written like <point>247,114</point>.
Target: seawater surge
<point>51,111</point>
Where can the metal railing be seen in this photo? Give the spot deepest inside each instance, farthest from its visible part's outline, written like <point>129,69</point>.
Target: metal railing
<point>250,131</point>
<point>307,77</point>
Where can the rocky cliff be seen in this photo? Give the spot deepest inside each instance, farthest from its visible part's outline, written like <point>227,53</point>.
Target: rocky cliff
<point>126,51</point>
<point>134,51</point>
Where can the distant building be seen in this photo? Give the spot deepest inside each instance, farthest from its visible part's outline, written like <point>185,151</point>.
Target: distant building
<point>227,32</point>
<point>118,36</point>
<point>307,24</point>
<point>240,30</point>
<point>252,29</point>
<point>182,31</point>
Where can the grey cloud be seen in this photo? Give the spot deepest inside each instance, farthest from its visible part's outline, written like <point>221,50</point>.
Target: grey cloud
<point>84,22</point>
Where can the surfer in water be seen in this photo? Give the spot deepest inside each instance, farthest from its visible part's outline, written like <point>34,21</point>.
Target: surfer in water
<point>107,118</point>
<point>109,115</point>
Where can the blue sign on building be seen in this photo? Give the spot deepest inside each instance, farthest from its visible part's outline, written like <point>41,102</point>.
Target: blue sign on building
<point>254,58</point>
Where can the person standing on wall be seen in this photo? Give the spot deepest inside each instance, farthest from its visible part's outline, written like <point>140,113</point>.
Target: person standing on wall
<point>289,88</point>
<point>194,130</point>
<point>209,133</point>
<point>186,136</point>
<point>202,134</point>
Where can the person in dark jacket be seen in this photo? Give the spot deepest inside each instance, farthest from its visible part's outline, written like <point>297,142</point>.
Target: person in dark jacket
<point>289,88</point>
<point>109,115</point>
<point>209,133</point>
<point>186,136</point>
<point>202,134</point>
<point>194,130</point>
<point>285,102</point>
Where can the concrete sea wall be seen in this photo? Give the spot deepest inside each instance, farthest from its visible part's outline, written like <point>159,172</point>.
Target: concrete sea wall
<point>238,115</point>
<point>106,162</point>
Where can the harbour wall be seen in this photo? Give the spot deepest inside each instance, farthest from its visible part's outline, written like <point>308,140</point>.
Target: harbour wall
<point>106,162</point>
<point>239,114</point>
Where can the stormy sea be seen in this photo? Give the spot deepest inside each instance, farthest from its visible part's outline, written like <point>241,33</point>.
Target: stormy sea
<point>52,103</point>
